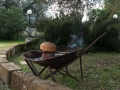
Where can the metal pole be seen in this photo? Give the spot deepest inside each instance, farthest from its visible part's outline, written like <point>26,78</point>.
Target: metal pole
<point>81,68</point>
<point>29,25</point>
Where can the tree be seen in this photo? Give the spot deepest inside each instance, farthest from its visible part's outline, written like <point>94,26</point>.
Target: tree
<point>7,3</point>
<point>11,22</point>
<point>37,8</point>
<point>101,21</point>
<point>113,6</point>
<point>79,7</point>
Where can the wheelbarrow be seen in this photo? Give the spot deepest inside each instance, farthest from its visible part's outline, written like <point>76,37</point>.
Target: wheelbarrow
<point>58,63</point>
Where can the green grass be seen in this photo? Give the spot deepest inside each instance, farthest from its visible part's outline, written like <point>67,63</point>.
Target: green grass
<point>101,72</point>
<point>8,44</point>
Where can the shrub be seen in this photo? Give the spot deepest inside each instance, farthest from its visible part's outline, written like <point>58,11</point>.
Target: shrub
<point>56,30</point>
<point>102,21</point>
<point>11,22</point>
<point>110,42</point>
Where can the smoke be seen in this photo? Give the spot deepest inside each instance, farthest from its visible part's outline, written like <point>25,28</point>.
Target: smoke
<point>77,43</point>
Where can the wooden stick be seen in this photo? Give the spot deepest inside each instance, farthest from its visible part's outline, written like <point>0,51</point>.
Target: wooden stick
<point>94,42</point>
<point>75,38</point>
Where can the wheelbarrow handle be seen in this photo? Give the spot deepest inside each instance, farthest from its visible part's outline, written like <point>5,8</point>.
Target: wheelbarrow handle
<point>75,38</point>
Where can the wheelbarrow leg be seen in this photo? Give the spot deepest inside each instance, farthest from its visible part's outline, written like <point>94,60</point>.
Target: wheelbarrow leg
<point>42,70</point>
<point>32,67</point>
<point>51,74</point>
<point>66,69</point>
<point>68,75</point>
<point>81,68</point>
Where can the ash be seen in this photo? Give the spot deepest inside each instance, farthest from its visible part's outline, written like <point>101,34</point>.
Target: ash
<point>58,54</point>
<point>40,58</point>
<point>37,59</point>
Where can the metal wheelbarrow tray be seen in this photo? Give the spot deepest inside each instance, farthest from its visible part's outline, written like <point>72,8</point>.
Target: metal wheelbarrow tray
<point>58,62</point>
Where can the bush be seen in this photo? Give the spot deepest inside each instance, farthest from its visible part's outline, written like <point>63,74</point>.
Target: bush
<point>110,42</point>
<point>11,22</point>
<point>56,30</point>
<point>102,21</point>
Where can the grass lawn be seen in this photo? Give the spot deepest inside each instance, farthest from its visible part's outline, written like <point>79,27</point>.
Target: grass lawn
<point>6,44</point>
<point>101,72</point>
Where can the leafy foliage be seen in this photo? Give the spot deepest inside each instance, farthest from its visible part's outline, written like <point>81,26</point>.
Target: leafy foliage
<point>101,21</point>
<point>113,6</point>
<point>11,22</point>
<point>58,30</point>
<point>55,30</point>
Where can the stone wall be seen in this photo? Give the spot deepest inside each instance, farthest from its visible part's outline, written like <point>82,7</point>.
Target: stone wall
<point>13,76</point>
<point>27,81</point>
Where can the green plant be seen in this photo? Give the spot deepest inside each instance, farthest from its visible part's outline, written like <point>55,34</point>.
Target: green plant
<point>11,22</point>
<point>56,30</point>
<point>101,21</point>
<point>36,46</point>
